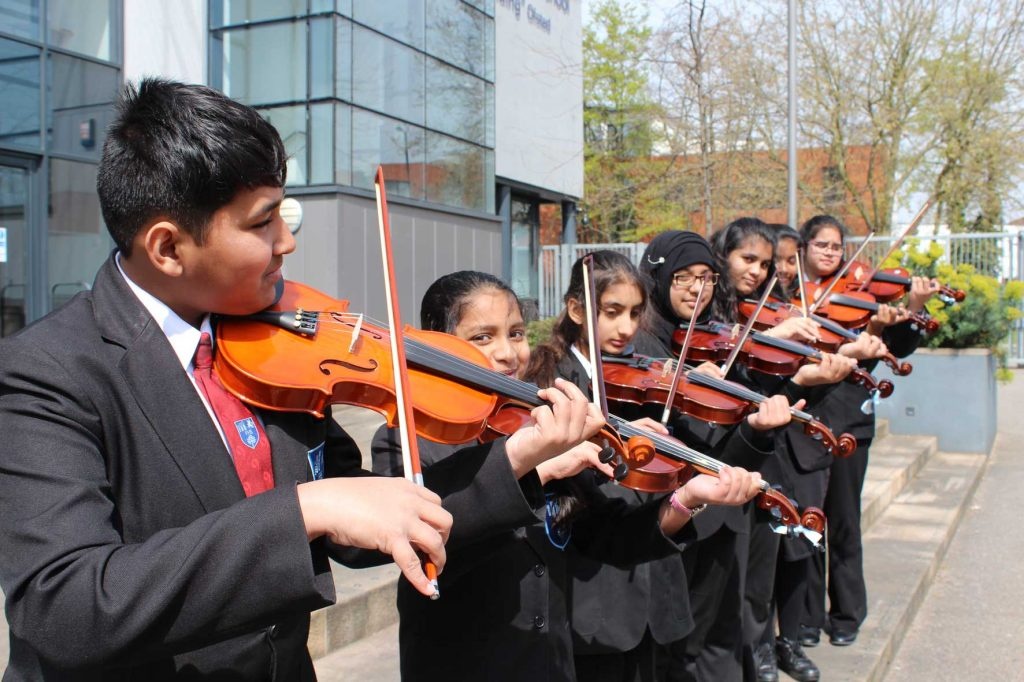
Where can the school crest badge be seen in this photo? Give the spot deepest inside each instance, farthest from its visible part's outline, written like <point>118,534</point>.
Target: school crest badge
<point>248,432</point>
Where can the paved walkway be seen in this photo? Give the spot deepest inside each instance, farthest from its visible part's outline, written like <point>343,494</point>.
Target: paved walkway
<point>970,625</point>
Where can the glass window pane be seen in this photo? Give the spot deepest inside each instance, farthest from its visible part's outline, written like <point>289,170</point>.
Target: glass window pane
<point>391,78</point>
<point>321,132</point>
<point>343,144</point>
<point>14,208</point>
<point>456,172</point>
<point>20,17</point>
<point>316,6</point>
<point>343,59</point>
<point>81,96</point>
<point>19,95</point>
<point>456,102</point>
<point>397,146</point>
<point>400,19</point>
<point>80,26</point>
<point>321,59</point>
<point>291,125</point>
<point>77,240</point>
<point>456,34</point>
<point>265,64</point>
<point>225,12</point>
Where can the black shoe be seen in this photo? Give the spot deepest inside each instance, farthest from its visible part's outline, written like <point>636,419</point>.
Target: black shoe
<point>809,636</point>
<point>840,637</point>
<point>765,664</point>
<point>794,662</point>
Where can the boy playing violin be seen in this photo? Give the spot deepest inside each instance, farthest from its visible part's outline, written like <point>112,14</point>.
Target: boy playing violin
<point>153,526</point>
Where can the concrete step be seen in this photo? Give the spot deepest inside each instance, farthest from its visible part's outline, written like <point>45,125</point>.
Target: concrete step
<point>902,551</point>
<point>371,659</point>
<point>365,605</point>
<point>893,463</point>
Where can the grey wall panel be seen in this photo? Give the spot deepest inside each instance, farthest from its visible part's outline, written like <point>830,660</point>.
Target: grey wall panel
<point>338,250</point>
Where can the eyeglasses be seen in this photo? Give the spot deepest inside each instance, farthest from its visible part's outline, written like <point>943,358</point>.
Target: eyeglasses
<point>685,279</point>
<point>828,246</point>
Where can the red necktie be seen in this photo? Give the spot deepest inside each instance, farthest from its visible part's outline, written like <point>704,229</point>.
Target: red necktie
<point>250,448</point>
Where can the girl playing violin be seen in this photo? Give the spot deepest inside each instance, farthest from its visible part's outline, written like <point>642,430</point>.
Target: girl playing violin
<point>824,239</point>
<point>622,616</point>
<point>505,590</point>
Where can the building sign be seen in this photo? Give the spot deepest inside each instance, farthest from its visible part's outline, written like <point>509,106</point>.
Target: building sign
<point>539,94</point>
<point>3,244</point>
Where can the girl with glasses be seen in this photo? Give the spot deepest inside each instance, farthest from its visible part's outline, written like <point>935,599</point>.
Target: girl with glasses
<point>842,407</point>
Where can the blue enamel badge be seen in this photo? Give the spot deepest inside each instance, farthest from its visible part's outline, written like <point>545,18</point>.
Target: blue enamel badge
<point>248,432</point>
<point>316,461</point>
<point>558,534</point>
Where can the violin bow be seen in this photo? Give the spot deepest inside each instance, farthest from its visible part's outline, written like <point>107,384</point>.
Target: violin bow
<point>842,271</point>
<point>800,282</point>
<point>596,366</point>
<point>406,420</point>
<point>896,244</point>
<point>749,325</point>
<point>682,355</point>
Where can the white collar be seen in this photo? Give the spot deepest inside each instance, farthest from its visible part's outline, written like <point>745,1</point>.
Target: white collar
<point>582,358</point>
<point>183,337</point>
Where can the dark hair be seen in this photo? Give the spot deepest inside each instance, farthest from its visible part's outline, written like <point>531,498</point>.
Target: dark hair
<point>181,151</point>
<point>610,268</point>
<point>724,242</point>
<point>812,227</point>
<point>446,299</point>
<point>784,231</point>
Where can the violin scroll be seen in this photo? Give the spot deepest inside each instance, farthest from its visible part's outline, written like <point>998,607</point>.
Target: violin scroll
<point>813,519</point>
<point>779,505</point>
<point>843,446</point>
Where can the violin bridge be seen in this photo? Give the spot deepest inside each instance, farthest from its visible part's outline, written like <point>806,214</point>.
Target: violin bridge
<point>355,332</point>
<point>667,368</point>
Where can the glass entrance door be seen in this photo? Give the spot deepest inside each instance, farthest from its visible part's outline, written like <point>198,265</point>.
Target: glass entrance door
<point>14,270</point>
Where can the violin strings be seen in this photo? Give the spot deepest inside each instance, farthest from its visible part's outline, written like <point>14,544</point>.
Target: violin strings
<point>521,390</point>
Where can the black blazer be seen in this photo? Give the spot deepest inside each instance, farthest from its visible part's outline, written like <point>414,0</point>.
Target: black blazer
<point>129,548</point>
<point>613,606</point>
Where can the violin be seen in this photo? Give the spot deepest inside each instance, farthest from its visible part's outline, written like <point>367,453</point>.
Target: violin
<point>643,381</point>
<point>890,284</point>
<point>677,463</point>
<point>779,357</point>
<point>832,335</point>
<point>853,309</point>
<point>307,351</point>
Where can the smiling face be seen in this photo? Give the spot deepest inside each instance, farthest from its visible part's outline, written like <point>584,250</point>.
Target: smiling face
<point>749,264</point>
<point>785,261</point>
<point>824,253</point>
<point>686,285</point>
<point>492,321</point>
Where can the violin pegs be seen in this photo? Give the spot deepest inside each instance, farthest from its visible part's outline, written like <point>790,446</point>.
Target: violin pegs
<point>606,455</point>
<point>621,470</point>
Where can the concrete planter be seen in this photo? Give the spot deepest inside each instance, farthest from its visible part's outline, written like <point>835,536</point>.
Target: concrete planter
<point>950,394</point>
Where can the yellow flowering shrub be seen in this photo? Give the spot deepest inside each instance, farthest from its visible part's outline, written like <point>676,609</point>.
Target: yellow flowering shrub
<point>983,319</point>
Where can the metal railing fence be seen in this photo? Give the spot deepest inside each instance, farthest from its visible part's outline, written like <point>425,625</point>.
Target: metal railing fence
<point>997,254</point>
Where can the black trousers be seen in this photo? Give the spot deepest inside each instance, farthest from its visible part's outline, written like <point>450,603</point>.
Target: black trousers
<point>716,570</point>
<point>759,590</point>
<point>847,593</point>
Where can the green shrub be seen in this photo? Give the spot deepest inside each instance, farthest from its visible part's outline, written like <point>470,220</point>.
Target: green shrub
<point>985,317</point>
<point>539,331</point>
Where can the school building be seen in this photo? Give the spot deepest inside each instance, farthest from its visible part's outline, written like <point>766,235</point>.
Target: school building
<point>472,107</point>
